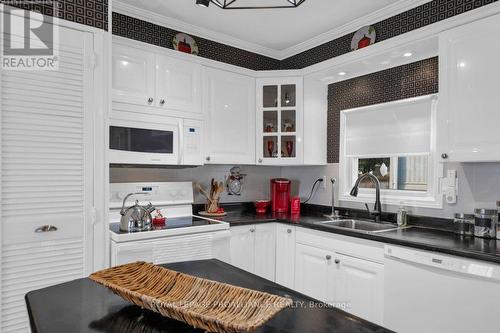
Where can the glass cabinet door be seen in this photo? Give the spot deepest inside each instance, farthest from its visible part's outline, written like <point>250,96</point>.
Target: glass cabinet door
<point>279,109</point>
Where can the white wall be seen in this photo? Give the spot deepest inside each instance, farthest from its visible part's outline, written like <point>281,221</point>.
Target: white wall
<point>256,185</point>
<point>479,187</point>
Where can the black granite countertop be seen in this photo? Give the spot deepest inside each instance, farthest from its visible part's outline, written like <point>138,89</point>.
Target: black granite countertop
<point>428,235</point>
<point>85,306</point>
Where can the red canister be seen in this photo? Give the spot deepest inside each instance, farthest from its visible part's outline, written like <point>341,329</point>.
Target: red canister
<point>295,205</point>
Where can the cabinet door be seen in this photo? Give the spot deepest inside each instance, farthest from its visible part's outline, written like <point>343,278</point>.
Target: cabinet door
<point>265,250</point>
<point>312,271</point>
<point>468,114</point>
<point>133,73</point>
<point>47,157</point>
<point>285,255</point>
<point>178,85</point>
<point>242,247</point>
<point>279,121</point>
<point>229,100</point>
<point>359,287</point>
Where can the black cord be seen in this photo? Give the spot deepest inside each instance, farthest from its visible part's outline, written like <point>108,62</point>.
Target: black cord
<point>319,180</point>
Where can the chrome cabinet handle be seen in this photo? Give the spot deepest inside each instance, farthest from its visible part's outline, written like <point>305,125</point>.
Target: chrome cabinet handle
<point>289,231</point>
<point>252,230</point>
<point>208,158</point>
<point>260,160</point>
<point>46,228</point>
<point>150,100</point>
<point>444,156</point>
<point>328,257</point>
<point>337,261</point>
<point>162,102</point>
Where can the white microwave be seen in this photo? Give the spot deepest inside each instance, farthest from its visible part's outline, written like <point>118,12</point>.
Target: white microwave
<point>155,141</point>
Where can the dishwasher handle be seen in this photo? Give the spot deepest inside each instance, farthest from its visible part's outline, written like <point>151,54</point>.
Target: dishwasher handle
<point>444,262</point>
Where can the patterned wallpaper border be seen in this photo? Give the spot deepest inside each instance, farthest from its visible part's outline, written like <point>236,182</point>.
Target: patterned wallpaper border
<point>415,18</point>
<point>151,33</point>
<point>407,81</point>
<point>93,13</point>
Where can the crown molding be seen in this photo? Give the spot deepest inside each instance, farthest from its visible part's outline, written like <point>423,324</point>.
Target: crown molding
<point>188,28</point>
<point>175,24</point>
<point>374,17</point>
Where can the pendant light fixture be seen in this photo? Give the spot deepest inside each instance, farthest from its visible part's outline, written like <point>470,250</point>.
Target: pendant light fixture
<point>250,4</point>
<point>203,3</point>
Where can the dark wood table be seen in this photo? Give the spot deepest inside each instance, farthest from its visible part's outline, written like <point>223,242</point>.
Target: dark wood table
<point>85,306</point>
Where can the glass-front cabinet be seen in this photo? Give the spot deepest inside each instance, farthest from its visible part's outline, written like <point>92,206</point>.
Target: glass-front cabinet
<point>279,121</point>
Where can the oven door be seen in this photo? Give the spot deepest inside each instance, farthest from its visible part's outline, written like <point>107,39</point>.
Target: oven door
<point>136,142</point>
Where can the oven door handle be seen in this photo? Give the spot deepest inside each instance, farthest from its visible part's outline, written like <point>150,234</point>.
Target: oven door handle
<point>181,141</point>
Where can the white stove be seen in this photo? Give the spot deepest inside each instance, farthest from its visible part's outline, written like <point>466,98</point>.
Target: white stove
<point>184,237</point>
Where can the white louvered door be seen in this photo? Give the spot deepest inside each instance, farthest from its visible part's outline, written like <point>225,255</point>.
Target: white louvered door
<point>47,176</point>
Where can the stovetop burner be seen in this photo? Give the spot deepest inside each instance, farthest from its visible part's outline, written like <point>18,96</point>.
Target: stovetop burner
<point>171,223</point>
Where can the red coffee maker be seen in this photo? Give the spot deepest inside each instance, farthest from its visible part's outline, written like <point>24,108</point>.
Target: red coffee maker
<point>280,195</point>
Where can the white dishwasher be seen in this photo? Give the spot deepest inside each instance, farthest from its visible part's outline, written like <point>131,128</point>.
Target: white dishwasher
<point>435,293</point>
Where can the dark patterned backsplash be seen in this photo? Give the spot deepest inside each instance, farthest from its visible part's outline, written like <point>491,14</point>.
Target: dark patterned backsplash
<point>147,32</point>
<point>89,12</point>
<point>418,17</point>
<point>412,80</point>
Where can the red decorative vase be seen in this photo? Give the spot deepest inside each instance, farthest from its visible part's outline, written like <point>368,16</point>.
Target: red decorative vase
<point>289,148</point>
<point>270,147</point>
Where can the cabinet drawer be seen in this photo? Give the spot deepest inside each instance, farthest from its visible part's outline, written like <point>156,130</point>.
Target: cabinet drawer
<point>352,246</point>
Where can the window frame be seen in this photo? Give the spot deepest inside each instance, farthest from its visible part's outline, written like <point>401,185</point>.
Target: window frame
<point>432,198</point>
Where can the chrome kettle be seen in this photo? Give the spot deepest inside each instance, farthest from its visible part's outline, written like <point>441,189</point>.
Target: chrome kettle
<point>136,217</point>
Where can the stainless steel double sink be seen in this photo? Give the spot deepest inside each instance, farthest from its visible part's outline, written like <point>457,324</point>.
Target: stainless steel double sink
<point>359,225</point>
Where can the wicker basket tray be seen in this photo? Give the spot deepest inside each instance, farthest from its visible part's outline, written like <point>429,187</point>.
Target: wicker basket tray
<point>201,303</point>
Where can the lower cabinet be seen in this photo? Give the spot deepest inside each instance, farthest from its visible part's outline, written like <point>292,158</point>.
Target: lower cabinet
<point>253,248</point>
<point>339,270</point>
<point>285,255</point>
<point>312,271</point>
<point>358,285</point>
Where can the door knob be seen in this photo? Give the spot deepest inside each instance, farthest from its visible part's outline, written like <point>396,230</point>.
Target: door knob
<point>150,100</point>
<point>162,102</point>
<point>328,257</point>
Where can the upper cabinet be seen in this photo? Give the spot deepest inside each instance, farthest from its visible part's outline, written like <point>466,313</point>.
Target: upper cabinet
<point>178,85</point>
<point>133,73</point>
<point>279,121</point>
<point>468,114</point>
<point>229,102</point>
<point>170,85</point>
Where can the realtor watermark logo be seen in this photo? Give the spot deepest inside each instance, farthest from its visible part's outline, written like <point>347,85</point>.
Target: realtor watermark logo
<point>29,39</point>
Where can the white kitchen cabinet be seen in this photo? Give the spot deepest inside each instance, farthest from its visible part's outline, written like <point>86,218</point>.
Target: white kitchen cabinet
<point>229,101</point>
<point>285,255</point>
<point>169,85</point>
<point>279,121</point>
<point>468,114</point>
<point>178,85</point>
<point>253,248</point>
<point>313,274</point>
<point>242,247</point>
<point>265,250</point>
<point>359,286</point>
<point>133,75</point>
<point>50,166</point>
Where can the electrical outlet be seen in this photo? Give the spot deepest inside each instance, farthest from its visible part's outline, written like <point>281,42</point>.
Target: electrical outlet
<point>323,183</point>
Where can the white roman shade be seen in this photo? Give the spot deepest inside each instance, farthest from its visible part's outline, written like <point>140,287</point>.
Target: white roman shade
<point>389,129</point>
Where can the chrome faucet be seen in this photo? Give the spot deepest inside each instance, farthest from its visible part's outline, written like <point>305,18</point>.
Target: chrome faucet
<point>377,209</point>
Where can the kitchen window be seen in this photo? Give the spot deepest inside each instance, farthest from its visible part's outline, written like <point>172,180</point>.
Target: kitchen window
<point>396,143</point>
